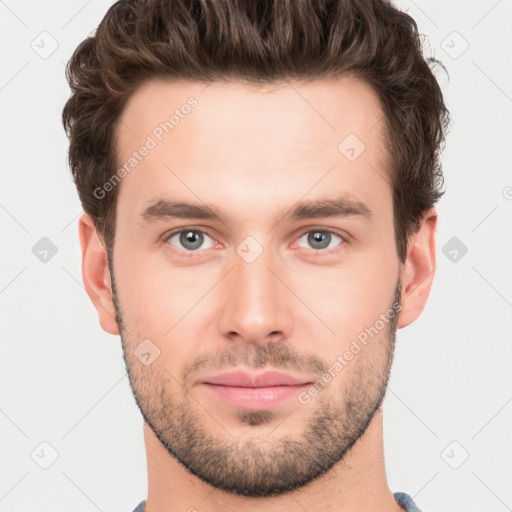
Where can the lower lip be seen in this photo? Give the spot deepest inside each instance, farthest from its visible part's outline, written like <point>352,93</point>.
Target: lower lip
<point>255,398</point>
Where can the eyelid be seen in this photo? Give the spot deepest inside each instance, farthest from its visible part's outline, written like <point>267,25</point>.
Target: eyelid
<point>303,231</point>
<point>308,229</point>
<point>311,229</point>
<point>168,234</point>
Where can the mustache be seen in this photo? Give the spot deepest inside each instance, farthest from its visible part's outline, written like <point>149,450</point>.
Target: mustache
<point>275,355</point>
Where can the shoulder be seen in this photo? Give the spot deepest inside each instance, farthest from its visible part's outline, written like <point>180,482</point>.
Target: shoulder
<point>140,506</point>
<point>402,499</point>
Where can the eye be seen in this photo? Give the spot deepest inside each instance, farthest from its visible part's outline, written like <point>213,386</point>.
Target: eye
<point>320,240</point>
<point>190,239</point>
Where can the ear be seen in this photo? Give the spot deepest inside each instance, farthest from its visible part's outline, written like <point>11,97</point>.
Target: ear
<point>419,269</point>
<point>96,274</point>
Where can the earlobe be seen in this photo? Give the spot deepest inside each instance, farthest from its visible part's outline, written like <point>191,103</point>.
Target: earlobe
<point>96,274</point>
<point>419,270</point>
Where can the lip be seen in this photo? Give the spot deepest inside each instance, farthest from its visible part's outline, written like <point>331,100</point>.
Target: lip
<point>254,391</point>
<point>255,380</point>
<point>255,399</point>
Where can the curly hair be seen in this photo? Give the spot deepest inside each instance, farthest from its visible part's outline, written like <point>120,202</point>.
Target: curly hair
<point>258,42</point>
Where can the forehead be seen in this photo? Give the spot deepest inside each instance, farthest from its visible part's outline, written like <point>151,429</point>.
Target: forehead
<point>312,109</point>
<point>239,141</point>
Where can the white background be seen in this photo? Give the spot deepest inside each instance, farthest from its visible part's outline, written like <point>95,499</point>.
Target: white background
<point>63,379</point>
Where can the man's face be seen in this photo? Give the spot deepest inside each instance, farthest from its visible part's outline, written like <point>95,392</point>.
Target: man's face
<point>259,288</point>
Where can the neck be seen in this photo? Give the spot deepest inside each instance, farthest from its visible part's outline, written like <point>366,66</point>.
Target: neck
<point>356,483</point>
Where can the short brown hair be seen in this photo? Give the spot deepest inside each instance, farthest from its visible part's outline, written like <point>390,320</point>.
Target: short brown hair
<point>260,42</point>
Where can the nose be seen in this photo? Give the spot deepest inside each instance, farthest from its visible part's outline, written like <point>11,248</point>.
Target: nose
<point>257,305</point>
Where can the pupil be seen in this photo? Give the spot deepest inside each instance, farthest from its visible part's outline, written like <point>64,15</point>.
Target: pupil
<point>317,237</point>
<point>188,239</point>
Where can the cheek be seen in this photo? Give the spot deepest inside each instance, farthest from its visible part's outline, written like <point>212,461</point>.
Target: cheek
<point>159,307</point>
<point>343,312</point>
<point>154,294</point>
<point>347,298</point>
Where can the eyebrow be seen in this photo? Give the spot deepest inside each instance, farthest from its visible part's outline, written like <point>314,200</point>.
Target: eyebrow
<point>163,209</point>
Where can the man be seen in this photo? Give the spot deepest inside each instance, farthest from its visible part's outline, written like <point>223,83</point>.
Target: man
<point>258,180</point>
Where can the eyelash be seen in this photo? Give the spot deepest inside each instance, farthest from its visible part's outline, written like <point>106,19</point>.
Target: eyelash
<point>315,252</point>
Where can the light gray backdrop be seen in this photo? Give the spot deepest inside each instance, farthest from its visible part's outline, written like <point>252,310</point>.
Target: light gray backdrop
<point>71,435</point>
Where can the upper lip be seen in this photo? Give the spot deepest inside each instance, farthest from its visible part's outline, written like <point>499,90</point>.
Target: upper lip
<point>254,380</point>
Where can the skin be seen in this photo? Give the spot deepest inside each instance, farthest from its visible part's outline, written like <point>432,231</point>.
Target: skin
<point>253,153</point>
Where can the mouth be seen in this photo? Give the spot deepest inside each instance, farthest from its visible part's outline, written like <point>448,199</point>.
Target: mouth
<point>255,391</point>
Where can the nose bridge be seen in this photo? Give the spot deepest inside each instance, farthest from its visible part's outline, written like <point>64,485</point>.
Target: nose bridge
<point>255,305</point>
